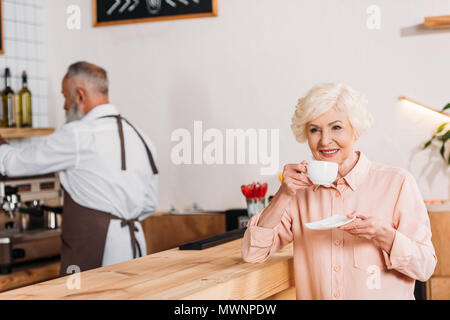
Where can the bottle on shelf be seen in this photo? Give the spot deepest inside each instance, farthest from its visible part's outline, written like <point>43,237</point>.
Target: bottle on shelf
<point>3,112</point>
<point>9,104</point>
<point>24,105</point>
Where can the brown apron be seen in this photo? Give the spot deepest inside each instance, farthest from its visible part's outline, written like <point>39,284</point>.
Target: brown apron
<point>84,230</point>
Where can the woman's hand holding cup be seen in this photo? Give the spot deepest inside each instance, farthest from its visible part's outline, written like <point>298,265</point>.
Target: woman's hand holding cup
<point>294,178</point>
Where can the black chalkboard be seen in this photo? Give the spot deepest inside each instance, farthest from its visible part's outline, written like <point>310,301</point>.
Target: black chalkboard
<point>111,12</point>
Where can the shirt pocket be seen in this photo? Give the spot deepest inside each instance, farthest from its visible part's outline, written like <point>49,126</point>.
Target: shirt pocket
<point>366,254</point>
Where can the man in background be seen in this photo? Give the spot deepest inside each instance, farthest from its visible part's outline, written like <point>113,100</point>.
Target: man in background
<point>106,168</point>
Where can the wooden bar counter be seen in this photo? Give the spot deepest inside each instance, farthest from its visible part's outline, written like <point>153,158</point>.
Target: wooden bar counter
<point>29,274</point>
<point>215,273</point>
<point>184,228</point>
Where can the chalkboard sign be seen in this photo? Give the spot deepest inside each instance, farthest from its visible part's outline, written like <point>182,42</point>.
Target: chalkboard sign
<point>2,48</point>
<point>111,12</point>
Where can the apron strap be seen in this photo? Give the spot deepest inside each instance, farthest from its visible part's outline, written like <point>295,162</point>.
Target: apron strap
<point>122,142</point>
<point>133,229</point>
<point>149,154</point>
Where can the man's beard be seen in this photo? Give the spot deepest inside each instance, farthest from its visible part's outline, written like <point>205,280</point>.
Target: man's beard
<point>74,113</point>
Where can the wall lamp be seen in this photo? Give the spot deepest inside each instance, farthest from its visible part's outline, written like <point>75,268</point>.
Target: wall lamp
<point>424,106</point>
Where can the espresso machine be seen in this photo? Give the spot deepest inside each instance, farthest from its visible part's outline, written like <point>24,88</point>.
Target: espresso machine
<point>30,219</point>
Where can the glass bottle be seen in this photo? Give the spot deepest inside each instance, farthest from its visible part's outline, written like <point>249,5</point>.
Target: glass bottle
<point>9,102</point>
<point>24,104</point>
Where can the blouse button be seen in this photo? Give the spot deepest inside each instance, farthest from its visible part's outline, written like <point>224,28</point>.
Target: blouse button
<point>337,194</point>
<point>337,268</point>
<point>337,242</point>
<point>336,294</point>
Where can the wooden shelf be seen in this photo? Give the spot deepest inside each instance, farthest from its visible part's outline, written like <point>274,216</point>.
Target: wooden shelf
<point>9,133</point>
<point>437,22</point>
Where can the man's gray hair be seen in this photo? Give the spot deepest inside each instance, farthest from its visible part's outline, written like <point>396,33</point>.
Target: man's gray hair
<point>91,73</point>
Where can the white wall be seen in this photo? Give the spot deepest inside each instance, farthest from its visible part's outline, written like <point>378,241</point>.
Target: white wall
<point>23,23</point>
<point>247,67</point>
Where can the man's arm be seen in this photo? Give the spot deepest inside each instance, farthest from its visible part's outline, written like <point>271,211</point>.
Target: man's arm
<point>53,153</point>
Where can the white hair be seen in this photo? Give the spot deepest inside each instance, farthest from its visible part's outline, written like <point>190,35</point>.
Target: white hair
<point>325,96</point>
<point>91,73</point>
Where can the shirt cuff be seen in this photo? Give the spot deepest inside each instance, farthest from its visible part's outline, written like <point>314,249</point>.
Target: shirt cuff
<point>260,236</point>
<point>400,252</point>
<point>4,150</point>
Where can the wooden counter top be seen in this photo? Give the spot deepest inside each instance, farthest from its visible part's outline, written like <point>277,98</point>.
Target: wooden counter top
<point>214,273</point>
<point>185,228</point>
<point>438,286</point>
<point>30,273</point>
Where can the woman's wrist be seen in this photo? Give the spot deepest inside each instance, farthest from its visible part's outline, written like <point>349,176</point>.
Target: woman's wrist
<point>386,238</point>
<point>271,216</point>
<point>282,196</point>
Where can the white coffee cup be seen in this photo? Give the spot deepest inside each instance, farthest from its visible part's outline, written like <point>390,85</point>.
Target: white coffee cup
<point>322,172</point>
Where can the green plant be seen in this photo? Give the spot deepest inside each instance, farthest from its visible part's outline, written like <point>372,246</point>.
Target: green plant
<point>441,136</point>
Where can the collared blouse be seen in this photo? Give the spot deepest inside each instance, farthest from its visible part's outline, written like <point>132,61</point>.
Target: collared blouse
<point>333,264</point>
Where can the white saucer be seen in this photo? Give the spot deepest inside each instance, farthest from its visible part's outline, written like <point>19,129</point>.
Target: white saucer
<point>329,223</point>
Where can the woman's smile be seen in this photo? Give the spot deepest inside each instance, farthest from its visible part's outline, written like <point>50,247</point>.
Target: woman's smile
<point>329,153</point>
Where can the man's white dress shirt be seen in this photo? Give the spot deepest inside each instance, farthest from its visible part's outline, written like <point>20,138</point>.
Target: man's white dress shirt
<point>87,154</point>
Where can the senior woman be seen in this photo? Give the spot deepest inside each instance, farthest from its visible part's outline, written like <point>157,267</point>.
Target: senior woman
<point>377,256</point>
